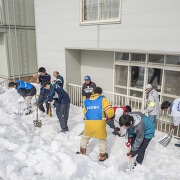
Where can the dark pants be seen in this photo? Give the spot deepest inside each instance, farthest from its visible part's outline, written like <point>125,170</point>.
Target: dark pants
<point>110,123</point>
<point>157,73</point>
<point>62,112</point>
<point>141,150</point>
<point>42,97</point>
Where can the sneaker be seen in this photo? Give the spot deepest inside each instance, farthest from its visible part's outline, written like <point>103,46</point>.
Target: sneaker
<point>177,145</point>
<point>28,112</point>
<point>63,131</point>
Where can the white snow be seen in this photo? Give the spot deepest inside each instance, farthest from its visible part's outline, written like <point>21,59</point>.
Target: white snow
<point>29,153</point>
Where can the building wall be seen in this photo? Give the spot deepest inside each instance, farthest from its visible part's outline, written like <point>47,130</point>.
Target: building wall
<point>147,26</point>
<point>3,62</point>
<point>99,66</point>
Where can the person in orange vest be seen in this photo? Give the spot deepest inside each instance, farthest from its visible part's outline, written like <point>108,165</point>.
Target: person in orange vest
<point>118,111</point>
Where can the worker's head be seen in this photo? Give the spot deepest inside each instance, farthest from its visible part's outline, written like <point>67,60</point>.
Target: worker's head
<point>98,90</point>
<point>166,106</point>
<point>148,88</point>
<point>46,85</point>
<point>12,85</point>
<point>126,121</point>
<point>128,109</point>
<point>42,71</point>
<point>87,79</point>
<point>55,74</point>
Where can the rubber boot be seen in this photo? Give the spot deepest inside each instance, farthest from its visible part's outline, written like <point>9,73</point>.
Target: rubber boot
<point>103,156</point>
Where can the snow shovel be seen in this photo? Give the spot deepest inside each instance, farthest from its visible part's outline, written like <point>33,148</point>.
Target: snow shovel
<point>81,133</point>
<point>37,122</point>
<point>166,139</point>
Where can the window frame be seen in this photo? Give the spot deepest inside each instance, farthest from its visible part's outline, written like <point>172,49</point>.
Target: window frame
<point>99,21</point>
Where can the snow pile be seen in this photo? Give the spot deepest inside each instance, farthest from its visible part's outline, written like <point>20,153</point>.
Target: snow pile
<point>41,153</point>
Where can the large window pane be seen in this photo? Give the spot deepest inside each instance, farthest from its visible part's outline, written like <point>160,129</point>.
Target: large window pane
<point>122,56</point>
<point>137,76</point>
<point>175,60</point>
<point>110,9</point>
<point>156,58</point>
<point>121,75</point>
<point>91,10</point>
<point>172,83</point>
<point>121,91</point>
<point>155,78</point>
<point>136,93</point>
<point>138,57</point>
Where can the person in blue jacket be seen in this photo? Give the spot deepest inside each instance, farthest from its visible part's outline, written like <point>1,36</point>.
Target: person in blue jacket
<point>140,132</point>
<point>41,77</point>
<point>59,79</point>
<point>62,102</point>
<point>26,90</point>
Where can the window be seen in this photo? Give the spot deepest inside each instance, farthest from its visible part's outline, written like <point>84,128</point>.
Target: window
<point>100,11</point>
<point>121,75</point>
<point>138,57</point>
<point>122,56</point>
<point>156,58</point>
<point>175,60</point>
<point>137,77</point>
<point>172,86</point>
<point>155,78</point>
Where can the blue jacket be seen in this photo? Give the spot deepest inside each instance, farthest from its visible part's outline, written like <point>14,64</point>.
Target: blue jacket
<point>59,81</point>
<point>43,78</point>
<point>142,128</point>
<point>25,88</point>
<point>59,94</point>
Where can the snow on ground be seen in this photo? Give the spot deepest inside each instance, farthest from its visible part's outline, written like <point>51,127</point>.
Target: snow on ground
<point>29,153</point>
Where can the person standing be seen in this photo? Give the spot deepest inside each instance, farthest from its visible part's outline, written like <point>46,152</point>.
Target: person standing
<point>95,110</point>
<point>26,90</point>
<point>40,79</point>
<point>62,102</point>
<point>59,79</point>
<point>174,110</point>
<point>140,132</point>
<point>87,87</point>
<point>152,103</point>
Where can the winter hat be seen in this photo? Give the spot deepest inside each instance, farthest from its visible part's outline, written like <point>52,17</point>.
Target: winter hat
<point>148,86</point>
<point>87,78</point>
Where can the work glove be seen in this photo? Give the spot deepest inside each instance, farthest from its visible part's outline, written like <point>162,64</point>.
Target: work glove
<point>131,153</point>
<point>128,144</point>
<point>50,101</point>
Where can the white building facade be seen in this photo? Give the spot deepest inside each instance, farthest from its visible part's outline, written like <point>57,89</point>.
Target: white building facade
<point>121,44</point>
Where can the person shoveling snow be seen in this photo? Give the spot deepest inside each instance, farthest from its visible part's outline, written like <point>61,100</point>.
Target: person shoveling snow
<point>174,110</point>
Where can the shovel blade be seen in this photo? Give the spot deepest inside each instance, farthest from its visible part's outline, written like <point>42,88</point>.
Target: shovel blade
<point>37,123</point>
<point>165,140</point>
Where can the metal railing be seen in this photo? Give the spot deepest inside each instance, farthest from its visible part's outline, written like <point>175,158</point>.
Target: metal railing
<point>163,122</point>
<point>4,83</point>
